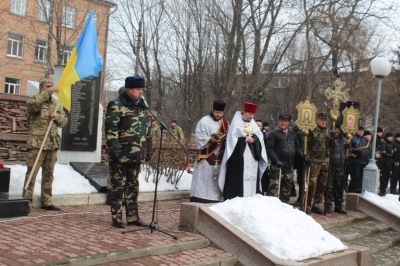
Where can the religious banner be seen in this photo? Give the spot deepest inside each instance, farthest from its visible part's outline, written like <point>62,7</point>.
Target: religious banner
<point>306,116</point>
<point>350,120</point>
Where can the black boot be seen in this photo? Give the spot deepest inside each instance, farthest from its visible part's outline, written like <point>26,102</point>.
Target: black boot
<point>340,210</point>
<point>329,208</point>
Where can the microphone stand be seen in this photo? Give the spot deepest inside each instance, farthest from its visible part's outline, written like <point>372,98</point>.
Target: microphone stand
<point>153,224</point>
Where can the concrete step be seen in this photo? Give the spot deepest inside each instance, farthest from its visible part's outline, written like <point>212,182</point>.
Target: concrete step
<point>379,241</point>
<point>195,257</point>
<point>358,229</point>
<point>161,251</point>
<point>382,241</point>
<point>387,257</point>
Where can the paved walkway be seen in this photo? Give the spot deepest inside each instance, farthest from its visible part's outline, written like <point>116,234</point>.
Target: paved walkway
<point>46,237</point>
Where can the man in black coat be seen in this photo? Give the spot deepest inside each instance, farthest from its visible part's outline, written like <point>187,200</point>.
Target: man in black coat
<point>282,149</point>
<point>360,153</point>
<point>338,158</point>
<point>396,164</point>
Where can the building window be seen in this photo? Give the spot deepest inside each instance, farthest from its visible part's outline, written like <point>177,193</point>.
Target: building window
<point>69,17</point>
<point>18,7</point>
<point>280,82</point>
<point>67,51</point>
<point>15,44</point>
<point>12,86</point>
<point>44,10</point>
<point>41,50</point>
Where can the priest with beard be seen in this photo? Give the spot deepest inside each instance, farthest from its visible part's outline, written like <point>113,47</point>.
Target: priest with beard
<point>245,157</point>
<point>210,135</point>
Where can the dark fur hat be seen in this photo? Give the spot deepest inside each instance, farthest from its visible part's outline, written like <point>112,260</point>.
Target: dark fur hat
<point>134,82</point>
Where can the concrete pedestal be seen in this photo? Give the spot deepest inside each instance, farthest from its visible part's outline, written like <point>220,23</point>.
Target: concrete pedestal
<point>371,177</point>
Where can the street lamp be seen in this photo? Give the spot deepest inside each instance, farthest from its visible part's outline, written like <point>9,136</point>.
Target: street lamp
<point>380,68</point>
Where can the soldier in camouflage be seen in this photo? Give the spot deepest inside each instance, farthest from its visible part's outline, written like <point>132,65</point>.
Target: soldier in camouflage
<point>282,148</point>
<point>155,132</point>
<point>42,113</point>
<point>128,133</point>
<point>177,132</point>
<point>318,150</point>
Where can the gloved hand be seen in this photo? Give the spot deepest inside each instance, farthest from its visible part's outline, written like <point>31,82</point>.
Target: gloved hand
<point>148,156</point>
<point>279,164</point>
<point>308,161</point>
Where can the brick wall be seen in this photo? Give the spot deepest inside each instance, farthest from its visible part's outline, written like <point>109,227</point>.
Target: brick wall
<point>13,130</point>
<point>13,127</point>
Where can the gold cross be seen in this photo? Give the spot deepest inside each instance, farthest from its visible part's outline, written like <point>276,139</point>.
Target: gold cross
<point>248,129</point>
<point>337,96</point>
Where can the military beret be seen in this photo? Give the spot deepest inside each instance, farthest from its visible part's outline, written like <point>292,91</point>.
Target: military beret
<point>379,129</point>
<point>134,82</point>
<point>265,124</point>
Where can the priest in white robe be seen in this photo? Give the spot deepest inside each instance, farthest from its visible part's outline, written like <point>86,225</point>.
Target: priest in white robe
<point>245,157</point>
<point>210,134</point>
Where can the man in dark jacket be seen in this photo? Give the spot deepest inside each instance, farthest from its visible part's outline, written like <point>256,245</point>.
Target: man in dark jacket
<point>396,164</point>
<point>360,153</point>
<point>380,151</point>
<point>338,157</point>
<point>282,149</point>
<point>386,173</point>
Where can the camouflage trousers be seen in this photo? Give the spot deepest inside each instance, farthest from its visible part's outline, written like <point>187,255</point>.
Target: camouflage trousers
<point>124,184</point>
<point>47,161</point>
<point>317,183</point>
<point>286,183</point>
<point>336,187</point>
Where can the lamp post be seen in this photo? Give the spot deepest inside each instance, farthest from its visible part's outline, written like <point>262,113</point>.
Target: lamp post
<point>380,68</point>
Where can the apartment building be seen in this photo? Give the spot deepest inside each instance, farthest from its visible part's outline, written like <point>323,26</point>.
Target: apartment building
<point>36,35</point>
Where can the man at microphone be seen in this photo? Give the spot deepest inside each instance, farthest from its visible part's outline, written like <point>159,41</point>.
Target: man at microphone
<point>128,134</point>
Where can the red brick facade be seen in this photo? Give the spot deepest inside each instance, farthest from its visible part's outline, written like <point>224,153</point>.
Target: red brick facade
<point>27,67</point>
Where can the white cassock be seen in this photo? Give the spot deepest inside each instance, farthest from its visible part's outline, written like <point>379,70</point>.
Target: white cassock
<point>205,176</point>
<point>251,167</point>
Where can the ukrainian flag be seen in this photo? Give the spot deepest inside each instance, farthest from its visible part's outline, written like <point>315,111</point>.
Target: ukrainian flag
<point>85,61</point>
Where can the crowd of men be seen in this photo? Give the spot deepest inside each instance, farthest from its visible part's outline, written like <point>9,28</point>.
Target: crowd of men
<point>236,159</point>
<point>322,167</point>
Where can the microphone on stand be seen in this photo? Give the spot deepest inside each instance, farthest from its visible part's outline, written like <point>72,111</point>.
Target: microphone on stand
<point>144,102</point>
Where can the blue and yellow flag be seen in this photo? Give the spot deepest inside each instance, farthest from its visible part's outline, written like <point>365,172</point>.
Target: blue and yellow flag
<point>85,61</point>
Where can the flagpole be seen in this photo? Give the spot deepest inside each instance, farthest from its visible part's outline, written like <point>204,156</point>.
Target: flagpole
<point>40,151</point>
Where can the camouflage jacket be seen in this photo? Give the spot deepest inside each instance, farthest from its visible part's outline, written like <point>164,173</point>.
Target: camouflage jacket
<point>155,134</point>
<point>318,145</point>
<point>128,130</point>
<point>178,134</point>
<point>39,109</point>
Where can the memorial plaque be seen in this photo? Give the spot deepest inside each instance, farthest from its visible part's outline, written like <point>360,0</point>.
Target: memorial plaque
<point>80,134</point>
